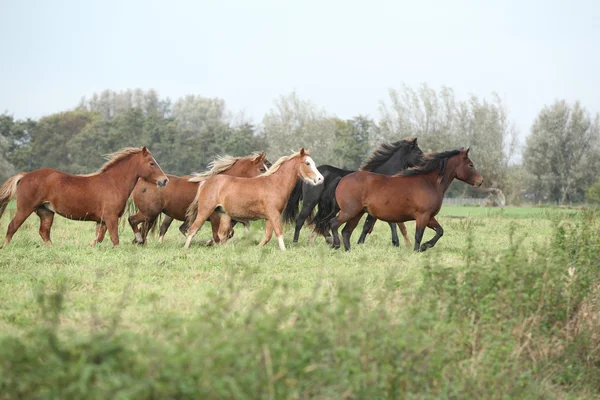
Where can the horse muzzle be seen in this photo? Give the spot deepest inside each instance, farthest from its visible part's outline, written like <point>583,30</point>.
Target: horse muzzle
<point>318,179</point>
<point>478,184</point>
<point>162,182</point>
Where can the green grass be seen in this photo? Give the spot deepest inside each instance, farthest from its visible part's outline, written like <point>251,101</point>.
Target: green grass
<point>487,313</point>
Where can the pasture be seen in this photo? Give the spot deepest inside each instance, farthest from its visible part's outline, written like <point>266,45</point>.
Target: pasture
<point>505,306</point>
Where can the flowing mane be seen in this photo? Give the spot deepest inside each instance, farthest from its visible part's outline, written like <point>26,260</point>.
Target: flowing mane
<point>217,166</point>
<point>430,163</point>
<point>382,153</point>
<point>275,167</point>
<point>116,157</point>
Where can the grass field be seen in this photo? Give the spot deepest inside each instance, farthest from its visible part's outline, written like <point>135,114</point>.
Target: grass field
<point>493,311</point>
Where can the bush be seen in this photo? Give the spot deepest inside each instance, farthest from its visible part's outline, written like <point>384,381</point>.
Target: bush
<point>592,194</point>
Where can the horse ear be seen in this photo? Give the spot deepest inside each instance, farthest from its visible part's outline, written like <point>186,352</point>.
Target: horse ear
<point>467,152</point>
<point>144,151</point>
<point>414,142</point>
<point>302,151</point>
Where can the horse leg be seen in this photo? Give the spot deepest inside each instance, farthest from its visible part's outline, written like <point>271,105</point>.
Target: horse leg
<point>224,228</point>
<point>164,227</point>
<point>46,219</point>
<point>134,221</point>
<point>183,228</point>
<point>15,224</point>
<point>100,232</point>
<point>349,228</point>
<point>395,240</point>
<point>201,217</point>
<point>439,232</point>
<point>147,227</point>
<point>307,208</point>
<point>112,224</point>
<point>215,224</point>
<point>404,234</point>
<point>367,228</point>
<point>268,233</point>
<point>422,221</point>
<point>276,223</point>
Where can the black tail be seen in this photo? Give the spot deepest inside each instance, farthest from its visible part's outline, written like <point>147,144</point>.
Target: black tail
<point>292,208</point>
<point>328,208</point>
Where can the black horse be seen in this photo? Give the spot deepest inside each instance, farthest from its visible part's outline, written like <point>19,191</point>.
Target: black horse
<point>386,159</point>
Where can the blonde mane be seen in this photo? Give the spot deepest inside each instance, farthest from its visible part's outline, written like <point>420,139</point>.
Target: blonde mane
<point>114,158</point>
<point>275,167</point>
<point>219,165</point>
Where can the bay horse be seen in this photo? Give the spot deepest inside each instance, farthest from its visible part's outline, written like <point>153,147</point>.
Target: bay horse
<point>246,199</point>
<point>413,194</point>
<point>387,159</point>
<point>99,197</point>
<point>174,199</point>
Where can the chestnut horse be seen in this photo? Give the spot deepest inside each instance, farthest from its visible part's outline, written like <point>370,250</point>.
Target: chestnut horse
<point>174,199</point>
<point>99,197</point>
<point>413,194</point>
<point>245,199</point>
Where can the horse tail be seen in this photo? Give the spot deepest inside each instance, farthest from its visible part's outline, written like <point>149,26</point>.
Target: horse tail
<point>192,211</point>
<point>292,208</point>
<point>8,191</point>
<point>328,207</point>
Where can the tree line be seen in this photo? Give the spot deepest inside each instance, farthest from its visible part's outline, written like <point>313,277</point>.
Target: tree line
<point>560,158</point>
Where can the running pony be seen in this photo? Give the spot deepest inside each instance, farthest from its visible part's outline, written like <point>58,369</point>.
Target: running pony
<point>413,194</point>
<point>387,159</point>
<point>99,197</point>
<point>174,199</point>
<point>246,199</point>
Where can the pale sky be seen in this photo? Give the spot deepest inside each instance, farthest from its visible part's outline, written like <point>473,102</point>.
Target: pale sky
<point>342,55</point>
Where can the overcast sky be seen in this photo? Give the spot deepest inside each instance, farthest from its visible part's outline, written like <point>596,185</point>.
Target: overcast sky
<point>342,55</point>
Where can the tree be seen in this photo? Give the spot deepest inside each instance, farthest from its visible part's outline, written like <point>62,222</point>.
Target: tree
<point>561,152</point>
<point>443,123</point>
<point>6,131</point>
<point>295,123</point>
<point>353,141</point>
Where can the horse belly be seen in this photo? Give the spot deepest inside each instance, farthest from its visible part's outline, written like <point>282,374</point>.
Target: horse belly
<point>246,210</point>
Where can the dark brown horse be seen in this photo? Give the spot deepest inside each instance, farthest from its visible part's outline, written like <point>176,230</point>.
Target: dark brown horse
<point>99,197</point>
<point>246,199</point>
<point>414,194</point>
<point>175,199</point>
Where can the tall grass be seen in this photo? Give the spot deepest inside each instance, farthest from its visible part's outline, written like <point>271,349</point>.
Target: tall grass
<point>523,322</point>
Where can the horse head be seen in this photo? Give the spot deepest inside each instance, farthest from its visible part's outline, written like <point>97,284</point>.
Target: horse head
<point>150,170</point>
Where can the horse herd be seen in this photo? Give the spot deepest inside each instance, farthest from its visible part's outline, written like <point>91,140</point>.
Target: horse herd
<point>397,183</point>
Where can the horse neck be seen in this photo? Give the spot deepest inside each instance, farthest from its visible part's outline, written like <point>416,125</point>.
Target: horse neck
<point>393,165</point>
<point>123,176</point>
<point>287,176</point>
<point>448,175</point>
<point>240,169</point>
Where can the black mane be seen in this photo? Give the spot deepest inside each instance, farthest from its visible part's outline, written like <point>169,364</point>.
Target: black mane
<point>382,153</point>
<point>431,163</point>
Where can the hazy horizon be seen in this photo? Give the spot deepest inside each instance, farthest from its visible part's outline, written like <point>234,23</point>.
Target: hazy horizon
<point>343,57</point>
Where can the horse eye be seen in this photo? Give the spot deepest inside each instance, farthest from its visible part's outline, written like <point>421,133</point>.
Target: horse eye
<point>152,164</point>
<point>307,163</point>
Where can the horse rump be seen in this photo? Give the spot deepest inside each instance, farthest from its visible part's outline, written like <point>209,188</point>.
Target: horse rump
<point>328,208</point>
<point>8,191</point>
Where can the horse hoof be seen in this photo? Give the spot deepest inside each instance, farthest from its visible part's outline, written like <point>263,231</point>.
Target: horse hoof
<point>329,239</point>
<point>209,243</point>
<point>424,247</point>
